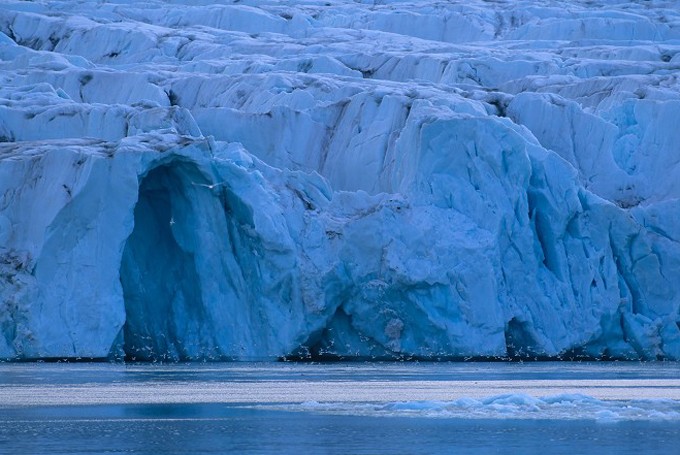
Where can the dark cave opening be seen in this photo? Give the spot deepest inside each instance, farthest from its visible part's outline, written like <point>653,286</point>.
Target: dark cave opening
<point>339,340</point>
<point>163,302</point>
<point>519,341</point>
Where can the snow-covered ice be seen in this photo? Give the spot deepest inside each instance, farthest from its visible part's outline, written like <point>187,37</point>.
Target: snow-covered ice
<point>263,179</point>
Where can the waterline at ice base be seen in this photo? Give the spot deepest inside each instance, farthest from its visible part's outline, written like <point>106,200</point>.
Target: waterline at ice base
<point>265,180</point>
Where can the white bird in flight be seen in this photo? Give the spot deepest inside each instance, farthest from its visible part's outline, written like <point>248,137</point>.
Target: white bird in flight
<point>209,185</point>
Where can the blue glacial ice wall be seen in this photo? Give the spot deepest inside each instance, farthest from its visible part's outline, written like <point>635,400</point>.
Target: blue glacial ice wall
<point>208,180</point>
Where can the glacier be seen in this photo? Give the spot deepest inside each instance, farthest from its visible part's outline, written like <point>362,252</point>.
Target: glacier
<point>256,180</point>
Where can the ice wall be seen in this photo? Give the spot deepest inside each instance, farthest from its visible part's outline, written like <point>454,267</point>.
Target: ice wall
<point>256,180</point>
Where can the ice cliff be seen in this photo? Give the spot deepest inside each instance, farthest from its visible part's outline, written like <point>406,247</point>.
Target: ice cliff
<point>266,179</point>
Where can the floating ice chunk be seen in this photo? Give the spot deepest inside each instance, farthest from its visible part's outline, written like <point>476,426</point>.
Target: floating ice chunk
<point>510,406</point>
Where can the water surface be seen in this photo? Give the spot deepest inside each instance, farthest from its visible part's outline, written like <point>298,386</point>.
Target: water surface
<point>614,407</point>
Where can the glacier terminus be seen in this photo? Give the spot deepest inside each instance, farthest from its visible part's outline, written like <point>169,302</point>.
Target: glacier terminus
<point>259,179</point>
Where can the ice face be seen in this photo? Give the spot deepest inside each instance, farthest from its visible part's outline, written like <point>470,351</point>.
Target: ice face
<point>201,180</point>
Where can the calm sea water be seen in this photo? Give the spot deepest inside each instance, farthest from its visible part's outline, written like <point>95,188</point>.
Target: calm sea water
<point>360,408</point>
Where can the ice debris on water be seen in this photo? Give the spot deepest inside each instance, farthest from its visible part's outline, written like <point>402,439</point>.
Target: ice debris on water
<point>509,406</point>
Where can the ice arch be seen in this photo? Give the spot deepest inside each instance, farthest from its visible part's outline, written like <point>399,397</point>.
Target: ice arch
<point>167,313</point>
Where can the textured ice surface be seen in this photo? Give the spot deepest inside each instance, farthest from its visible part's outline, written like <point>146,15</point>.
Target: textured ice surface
<point>509,406</point>
<point>190,180</point>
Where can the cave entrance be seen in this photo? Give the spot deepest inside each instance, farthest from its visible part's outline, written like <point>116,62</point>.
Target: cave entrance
<point>162,290</point>
<point>520,341</point>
